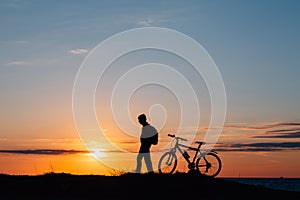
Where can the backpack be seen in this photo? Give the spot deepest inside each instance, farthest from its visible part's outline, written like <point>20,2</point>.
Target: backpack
<point>154,140</point>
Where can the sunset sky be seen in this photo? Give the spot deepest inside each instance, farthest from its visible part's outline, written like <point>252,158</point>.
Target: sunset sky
<point>254,44</point>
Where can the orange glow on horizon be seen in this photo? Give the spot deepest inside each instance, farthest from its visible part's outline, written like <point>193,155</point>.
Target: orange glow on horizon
<point>235,164</point>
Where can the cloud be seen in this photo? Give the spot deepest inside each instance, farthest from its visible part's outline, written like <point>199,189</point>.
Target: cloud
<point>281,130</point>
<point>154,20</point>
<point>21,42</point>
<point>287,124</point>
<point>284,130</point>
<point>18,63</point>
<point>78,51</point>
<point>273,130</point>
<point>45,151</point>
<point>53,151</point>
<point>263,126</point>
<point>147,22</point>
<point>282,134</point>
<point>270,144</point>
<point>262,146</point>
<point>13,4</point>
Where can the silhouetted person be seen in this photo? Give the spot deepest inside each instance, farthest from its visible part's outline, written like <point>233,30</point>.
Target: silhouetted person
<point>146,139</point>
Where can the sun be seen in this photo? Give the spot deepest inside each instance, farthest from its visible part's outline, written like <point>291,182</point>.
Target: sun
<point>97,153</point>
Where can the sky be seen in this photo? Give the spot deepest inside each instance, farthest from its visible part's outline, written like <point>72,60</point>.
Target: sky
<point>43,44</point>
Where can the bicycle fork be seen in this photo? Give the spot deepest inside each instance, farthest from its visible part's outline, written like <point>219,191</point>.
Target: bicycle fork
<point>208,164</point>
<point>170,158</point>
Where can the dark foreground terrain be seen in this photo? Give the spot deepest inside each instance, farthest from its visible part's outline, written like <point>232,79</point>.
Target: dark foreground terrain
<point>132,186</point>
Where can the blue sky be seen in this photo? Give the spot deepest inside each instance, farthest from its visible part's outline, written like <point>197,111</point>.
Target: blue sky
<point>255,44</point>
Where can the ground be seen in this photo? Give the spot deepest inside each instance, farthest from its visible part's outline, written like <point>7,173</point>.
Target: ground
<point>63,186</point>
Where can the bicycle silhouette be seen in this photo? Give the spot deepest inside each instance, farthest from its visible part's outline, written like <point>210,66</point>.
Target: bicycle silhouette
<point>208,164</point>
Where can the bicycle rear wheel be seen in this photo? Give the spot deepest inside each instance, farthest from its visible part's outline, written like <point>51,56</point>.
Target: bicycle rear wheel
<point>210,164</point>
<point>167,163</point>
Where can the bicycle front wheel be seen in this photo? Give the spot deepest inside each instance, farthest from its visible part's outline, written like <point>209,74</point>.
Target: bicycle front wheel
<point>167,163</point>
<point>209,165</point>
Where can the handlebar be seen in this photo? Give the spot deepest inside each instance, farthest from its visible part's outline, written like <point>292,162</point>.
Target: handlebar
<point>177,138</point>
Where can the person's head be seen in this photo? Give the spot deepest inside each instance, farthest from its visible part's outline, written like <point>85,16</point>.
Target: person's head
<point>142,119</point>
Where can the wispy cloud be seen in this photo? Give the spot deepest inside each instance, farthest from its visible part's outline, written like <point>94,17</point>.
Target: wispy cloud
<point>20,42</point>
<point>154,20</point>
<point>147,22</point>
<point>246,127</point>
<point>45,151</point>
<point>13,3</point>
<point>261,146</point>
<point>281,130</point>
<point>78,51</point>
<point>55,151</point>
<point>263,126</point>
<point>280,134</point>
<point>18,63</point>
<point>287,124</point>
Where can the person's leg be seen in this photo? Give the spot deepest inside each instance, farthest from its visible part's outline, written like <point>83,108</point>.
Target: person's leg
<point>139,158</point>
<point>147,157</point>
<point>148,162</point>
<point>139,162</point>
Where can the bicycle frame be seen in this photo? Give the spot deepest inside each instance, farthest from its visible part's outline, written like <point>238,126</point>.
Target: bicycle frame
<point>187,158</point>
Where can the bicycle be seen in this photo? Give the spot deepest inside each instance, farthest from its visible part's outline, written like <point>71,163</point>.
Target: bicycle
<point>209,164</point>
